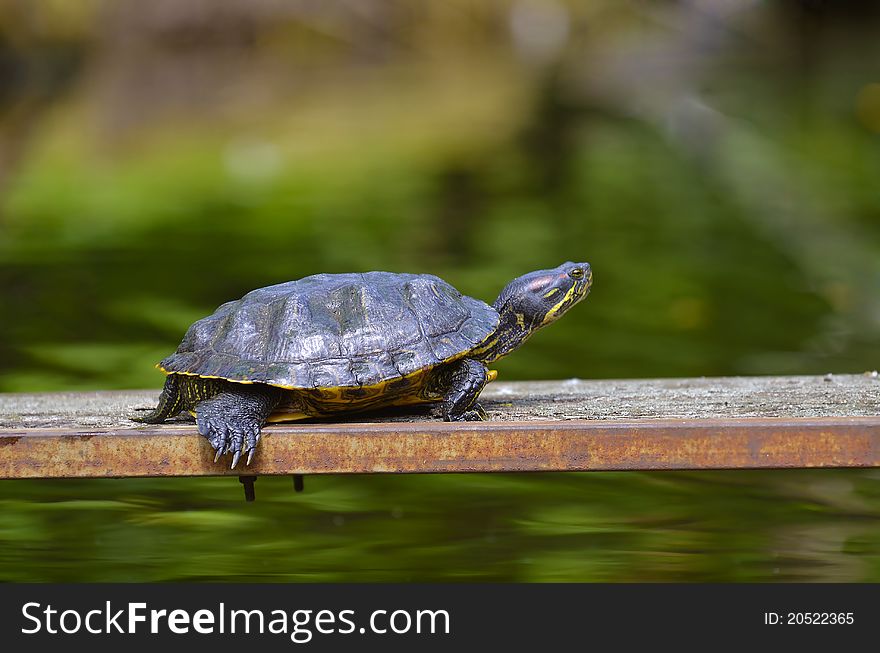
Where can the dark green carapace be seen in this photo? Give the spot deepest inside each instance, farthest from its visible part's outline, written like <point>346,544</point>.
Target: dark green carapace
<point>334,343</point>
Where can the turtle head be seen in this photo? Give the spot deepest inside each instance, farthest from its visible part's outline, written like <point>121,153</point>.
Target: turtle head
<point>534,300</point>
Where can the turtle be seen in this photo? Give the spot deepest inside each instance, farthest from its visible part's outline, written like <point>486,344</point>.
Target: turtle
<point>329,344</point>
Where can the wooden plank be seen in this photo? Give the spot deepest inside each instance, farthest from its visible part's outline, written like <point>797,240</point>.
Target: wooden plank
<point>729,423</point>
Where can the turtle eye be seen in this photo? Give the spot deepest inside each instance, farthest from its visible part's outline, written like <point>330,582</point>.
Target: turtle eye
<point>577,273</point>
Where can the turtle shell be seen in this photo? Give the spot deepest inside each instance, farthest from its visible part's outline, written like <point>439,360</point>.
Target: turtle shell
<point>335,330</point>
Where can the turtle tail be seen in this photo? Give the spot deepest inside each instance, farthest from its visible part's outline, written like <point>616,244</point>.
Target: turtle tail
<point>170,402</point>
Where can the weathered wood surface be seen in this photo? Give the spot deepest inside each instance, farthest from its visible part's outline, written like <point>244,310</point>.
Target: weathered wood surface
<point>706,423</point>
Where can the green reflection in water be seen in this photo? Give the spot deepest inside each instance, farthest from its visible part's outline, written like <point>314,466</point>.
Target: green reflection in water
<point>730,526</point>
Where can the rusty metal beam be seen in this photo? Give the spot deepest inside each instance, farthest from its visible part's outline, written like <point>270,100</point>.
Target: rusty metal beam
<point>579,445</point>
<point>721,423</point>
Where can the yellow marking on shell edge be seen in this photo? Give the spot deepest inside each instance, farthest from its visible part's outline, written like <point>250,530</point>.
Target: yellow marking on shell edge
<point>331,396</point>
<point>336,388</point>
<point>287,416</point>
<point>330,409</point>
<point>375,388</point>
<point>223,378</point>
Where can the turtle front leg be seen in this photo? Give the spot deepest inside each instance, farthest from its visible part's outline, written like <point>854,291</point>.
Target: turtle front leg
<point>460,384</point>
<point>231,420</point>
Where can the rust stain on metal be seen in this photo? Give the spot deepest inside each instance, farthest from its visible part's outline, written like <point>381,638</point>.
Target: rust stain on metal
<point>413,447</point>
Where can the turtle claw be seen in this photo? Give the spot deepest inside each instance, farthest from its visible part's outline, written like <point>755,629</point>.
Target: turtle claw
<point>225,438</point>
<point>216,433</point>
<point>476,414</point>
<point>231,421</point>
<point>250,445</point>
<point>236,443</point>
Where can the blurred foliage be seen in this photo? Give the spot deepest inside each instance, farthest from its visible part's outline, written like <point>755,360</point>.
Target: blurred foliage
<point>716,162</point>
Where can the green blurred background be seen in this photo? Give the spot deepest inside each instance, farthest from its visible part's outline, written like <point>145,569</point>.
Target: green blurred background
<point>717,162</point>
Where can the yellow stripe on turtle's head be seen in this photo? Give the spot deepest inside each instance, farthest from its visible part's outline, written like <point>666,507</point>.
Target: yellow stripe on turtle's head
<point>532,301</point>
<point>539,298</point>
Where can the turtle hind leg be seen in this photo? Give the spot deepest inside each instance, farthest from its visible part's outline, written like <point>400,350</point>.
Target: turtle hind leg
<point>461,383</point>
<point>170,403</point>
<point>181,392</point>
<point>231,420</point>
